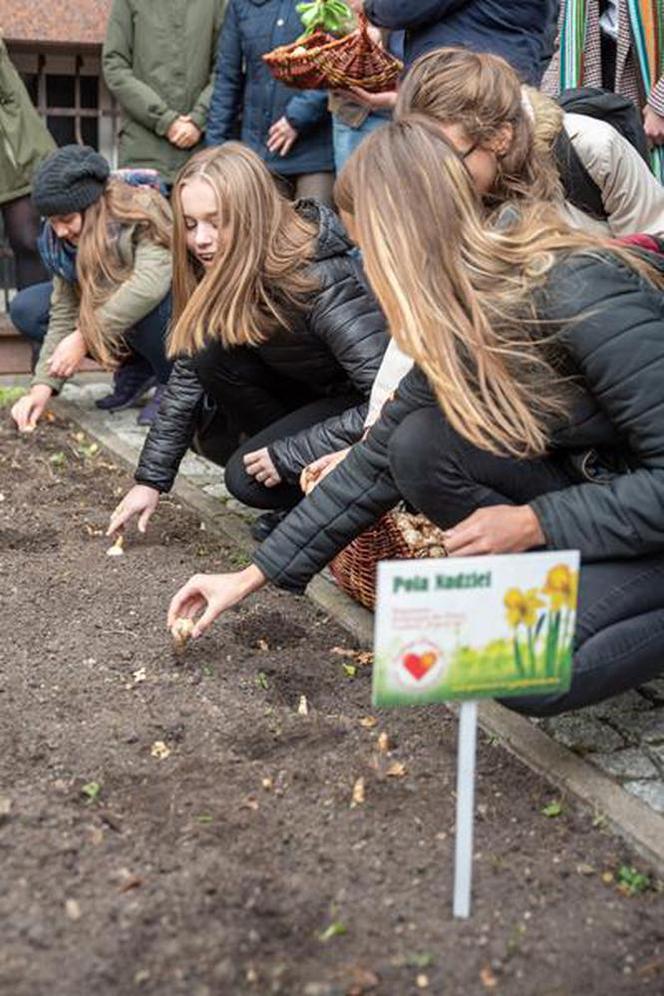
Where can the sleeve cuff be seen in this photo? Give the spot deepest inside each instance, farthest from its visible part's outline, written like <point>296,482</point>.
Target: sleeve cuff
<point>54,383</point>
<point>656,98</point>
<point>165,122</point>
<point>199,118</point>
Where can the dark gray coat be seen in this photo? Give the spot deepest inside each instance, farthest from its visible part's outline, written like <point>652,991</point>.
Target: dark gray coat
<point>337,344</point>
<point>611,334</point>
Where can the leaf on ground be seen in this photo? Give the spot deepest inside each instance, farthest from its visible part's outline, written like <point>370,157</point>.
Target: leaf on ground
<point>303,706</point>
<point>91,790</point>
<point>335,929</point>
<point>139,675</point>
<point>584,869</point>
<point>361,657</point>
<point>72,909</point>
<point>396,770</point>
<point>262,644</point>
<point>368,722</point>
<point>383,742</point>
<point>250,802</point>
<point>552,810</point>
<point>487,978</point>
<point>361,981</point>
<point>131,882</point>
<point>631,881</point>
<point>350,670</point>
<point>358,793</point>
<point>160,750</point>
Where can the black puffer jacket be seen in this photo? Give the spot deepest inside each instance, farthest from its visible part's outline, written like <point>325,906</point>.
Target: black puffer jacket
<point>611,333</point>
<point>336,345</point>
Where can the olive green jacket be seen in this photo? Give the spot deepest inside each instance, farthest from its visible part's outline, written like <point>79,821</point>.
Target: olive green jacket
<point>24,139</point>
<point>145,287</point>
<point>158,62</point>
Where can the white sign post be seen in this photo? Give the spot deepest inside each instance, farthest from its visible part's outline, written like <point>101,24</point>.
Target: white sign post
<point>470,628</point>
<point>463,862</point>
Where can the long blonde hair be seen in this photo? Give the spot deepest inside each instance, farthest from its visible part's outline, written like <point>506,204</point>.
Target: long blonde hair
<point>100,267</point>
<point>259,278</point>
<point>460,295</point>
<point>482,93</point>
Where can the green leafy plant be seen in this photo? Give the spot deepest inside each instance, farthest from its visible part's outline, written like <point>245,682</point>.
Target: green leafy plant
<point>332,16</point>
<point>92,791</point>
<point>8,395</point>
<point>335,929</point>
<point>552,810</point>
<point>261,680</point>
<point>631,881</point>
<point>58,459</point>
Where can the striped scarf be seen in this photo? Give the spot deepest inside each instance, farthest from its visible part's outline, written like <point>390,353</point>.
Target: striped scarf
<point>646,19</point>
<point>647,23</point>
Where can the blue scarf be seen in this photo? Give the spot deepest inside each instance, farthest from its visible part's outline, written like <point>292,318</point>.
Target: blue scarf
<point>59,256</point>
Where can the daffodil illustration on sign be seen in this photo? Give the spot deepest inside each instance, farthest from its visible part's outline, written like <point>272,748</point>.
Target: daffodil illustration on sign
<point>471,627</point>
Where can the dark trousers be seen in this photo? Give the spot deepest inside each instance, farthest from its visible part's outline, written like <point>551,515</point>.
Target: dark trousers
<point>264,405</point>
<point>619,639</point>
<point>284,496</point>
<point>30,311</point>
<point>21,222</point>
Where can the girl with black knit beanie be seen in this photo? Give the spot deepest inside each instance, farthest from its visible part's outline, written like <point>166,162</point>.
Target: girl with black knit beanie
<point>107,244</point>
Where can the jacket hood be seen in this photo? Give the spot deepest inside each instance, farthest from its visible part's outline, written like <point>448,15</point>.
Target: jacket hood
<point>332,238</point>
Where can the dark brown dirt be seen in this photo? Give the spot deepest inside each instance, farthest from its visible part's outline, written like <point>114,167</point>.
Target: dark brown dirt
<point>216,870</point>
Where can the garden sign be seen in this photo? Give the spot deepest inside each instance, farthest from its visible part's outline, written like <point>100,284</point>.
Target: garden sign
<point>468,628</point>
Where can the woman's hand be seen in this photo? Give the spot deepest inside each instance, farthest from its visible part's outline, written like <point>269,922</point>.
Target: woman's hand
<point>212,594</point>
<point>653,124</point>
<point>28,410</point>
<point>259,465</point>
<point>183,133</point>
<point>386,101</point>
<point>316,471</point>
<point>140,500</point>
<point>67,355</point>
<point>496,529</point>
<point>282,136</point>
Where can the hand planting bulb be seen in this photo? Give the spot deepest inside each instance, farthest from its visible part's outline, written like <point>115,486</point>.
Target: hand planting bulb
<point>181,632</point>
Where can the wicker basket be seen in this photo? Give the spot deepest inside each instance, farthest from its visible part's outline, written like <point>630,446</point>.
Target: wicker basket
<point>357,60</point>
<point>296,64</point>
<point>321,62</point>
<point>397,535</point>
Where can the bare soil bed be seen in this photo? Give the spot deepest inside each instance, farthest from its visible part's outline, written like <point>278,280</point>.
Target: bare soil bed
<point>176,826</point>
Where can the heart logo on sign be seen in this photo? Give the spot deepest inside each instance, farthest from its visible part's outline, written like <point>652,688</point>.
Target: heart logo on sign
<point>419,664</point>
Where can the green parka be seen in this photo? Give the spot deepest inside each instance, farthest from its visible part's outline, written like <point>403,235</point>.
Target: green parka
<point>24,138</point>
<point>145,287</point>
<point>158,62</point>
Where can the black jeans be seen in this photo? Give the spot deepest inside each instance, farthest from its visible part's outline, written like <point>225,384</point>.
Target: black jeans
<point>21,221</point>
<point>284,496</point>
<point>250,391</point>
<point>619,639</point>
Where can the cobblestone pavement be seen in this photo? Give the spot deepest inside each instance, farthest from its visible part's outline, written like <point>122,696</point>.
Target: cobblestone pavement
<point>624,737</point>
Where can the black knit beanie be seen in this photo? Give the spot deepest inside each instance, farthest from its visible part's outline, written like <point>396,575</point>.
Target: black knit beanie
<point>69,180</point>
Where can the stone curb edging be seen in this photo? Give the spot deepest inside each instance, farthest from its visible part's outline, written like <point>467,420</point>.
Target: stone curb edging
<point>637,823</point>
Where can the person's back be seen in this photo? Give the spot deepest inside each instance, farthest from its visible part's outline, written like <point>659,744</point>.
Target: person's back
<point>515,30</point>
<point>158,62</point>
